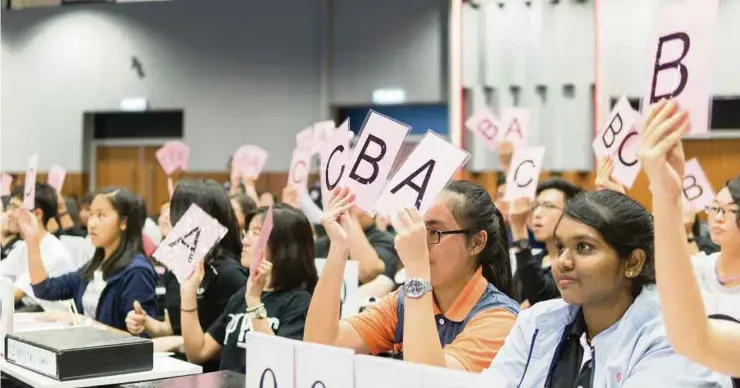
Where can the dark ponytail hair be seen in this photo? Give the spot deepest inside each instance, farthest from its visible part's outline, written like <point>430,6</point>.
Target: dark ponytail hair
<point>475,211</point>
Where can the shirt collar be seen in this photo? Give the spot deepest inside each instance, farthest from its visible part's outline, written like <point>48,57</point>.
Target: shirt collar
<point>467,299</point>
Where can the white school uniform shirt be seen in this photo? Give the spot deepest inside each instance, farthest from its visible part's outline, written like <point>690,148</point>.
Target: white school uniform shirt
<point>718,299</point>
<point>55,256</point>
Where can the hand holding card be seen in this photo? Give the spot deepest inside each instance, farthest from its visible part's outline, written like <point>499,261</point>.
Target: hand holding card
<point>259,247</point>
<point>29,195</point>
<point>56,177</point>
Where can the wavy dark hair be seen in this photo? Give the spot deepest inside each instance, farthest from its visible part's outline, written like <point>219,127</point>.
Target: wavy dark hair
<point>291,246</point>
<point>475,211</point>
<point>130,208</point>
<point>623,223</point>
<point>213,200</point>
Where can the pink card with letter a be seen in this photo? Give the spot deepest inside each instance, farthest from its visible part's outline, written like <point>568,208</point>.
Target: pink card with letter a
<point>259,247</point>
<point>249,160</point>
<point>189,241</point>
<point>29,196</point>
<point>6,182</point>
<point>56,177</point>
<point>486,126</point>
<point>515,122</point>
<point>697,191</point>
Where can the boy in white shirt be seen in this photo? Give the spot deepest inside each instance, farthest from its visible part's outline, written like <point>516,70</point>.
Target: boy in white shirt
<point>55,255</point>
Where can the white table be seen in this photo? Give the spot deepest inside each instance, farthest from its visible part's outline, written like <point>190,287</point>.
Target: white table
<point>164,368</point>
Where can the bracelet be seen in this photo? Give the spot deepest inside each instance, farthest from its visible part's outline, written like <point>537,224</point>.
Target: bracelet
<point>255,308</point>
<point>194,309</point>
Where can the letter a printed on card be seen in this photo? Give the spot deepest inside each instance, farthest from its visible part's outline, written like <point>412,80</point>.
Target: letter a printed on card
<point>189,241</point>
<point>422,176</point>
<point>515,122</point>
<point>373,157</point>
<point>679,58</point>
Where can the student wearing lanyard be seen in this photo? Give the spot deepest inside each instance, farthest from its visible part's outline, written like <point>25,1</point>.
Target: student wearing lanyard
<point>222,277</point>
<point>711,342</point>
<point>455,308</point>
<point>607,330</point>
<point>118,273</point>
<point>273,302</point>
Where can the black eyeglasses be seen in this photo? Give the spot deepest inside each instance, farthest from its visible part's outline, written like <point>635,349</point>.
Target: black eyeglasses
<point>434,235</point>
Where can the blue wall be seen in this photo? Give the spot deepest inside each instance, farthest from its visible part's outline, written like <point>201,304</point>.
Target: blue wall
<point>421,118</point>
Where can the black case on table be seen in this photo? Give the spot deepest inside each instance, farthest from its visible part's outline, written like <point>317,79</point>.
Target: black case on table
<point>87,352</point>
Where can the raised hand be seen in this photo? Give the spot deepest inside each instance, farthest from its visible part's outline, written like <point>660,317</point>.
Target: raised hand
<point>258,281</point>
<point>604,180</point>
<point>136,319</point>
<point>519,213</point>
<point>660,150</point>
<point>335,220</point>
<point>411,240</point>
<point>193,283</point>
<point>28,225</point>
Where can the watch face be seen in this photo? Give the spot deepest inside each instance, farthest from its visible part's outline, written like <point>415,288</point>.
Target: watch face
<point>415,287</point>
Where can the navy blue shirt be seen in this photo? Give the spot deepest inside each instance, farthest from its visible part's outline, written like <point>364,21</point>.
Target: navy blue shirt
<point>136,282</point>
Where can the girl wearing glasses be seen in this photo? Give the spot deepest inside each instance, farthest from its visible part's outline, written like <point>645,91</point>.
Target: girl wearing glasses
<point>455,308</point>
<point>223,276</point>
<point>713,341</point>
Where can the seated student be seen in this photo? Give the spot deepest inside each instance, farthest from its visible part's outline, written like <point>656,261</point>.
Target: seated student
<point>163,221</point>
<point>607,329</point>
<point>69,221</point>
<point>373,249</point>
<point>10,237</point>
<point>274,301</point>
<point>454,309</point>
<point>56,257</point>
<point>242,205</point>
<point>84,208</point>
<point>714,343</point>
<point>535,283</point>
<point>118,273</point>
<point>224,274</point>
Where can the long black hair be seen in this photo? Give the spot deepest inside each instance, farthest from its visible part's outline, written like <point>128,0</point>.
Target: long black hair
<point>292,249</point>
<point>130,208</point>
<point>623,223</point>
<point>213,200</point>
<point>475,211</point>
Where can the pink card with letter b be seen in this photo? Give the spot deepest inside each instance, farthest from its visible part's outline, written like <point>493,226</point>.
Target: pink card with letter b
<point>29,196</point>
<point>679,58</point>
<point>524,174</point>
<point>56,177</point>
<point>421,178</point>
<point>515,122</point>
<point>299,169</point>
<point>261,244</point>
<point>6,182</point>
<point>250,160</point>
<point>373,157</point>
<point>697,191</point>
<point>615,130</point>
<point>486,126</point>
<point>189,241</point>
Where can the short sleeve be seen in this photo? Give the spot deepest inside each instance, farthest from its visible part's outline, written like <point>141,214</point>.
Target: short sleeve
<point>377,324</point>
<point>481,339</point>
<point>293,320</point>
<point>217,330</point>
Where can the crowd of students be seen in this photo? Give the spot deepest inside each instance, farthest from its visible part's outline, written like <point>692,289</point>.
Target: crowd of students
<point>599,291</point>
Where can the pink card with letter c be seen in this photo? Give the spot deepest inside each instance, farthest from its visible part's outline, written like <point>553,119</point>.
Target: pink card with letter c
<point>524,174</point>
<point>29,195</point>
<point>299,168</point>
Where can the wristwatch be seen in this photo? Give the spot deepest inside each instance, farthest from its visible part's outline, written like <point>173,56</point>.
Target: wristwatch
<point>258,312</point>
<point>522,244</point>
<point>415,288</point>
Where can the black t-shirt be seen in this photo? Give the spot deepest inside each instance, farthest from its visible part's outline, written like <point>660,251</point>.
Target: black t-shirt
<point>223,276</point>
<point>569,370</point>
<point>286,311</point>
<point>382,242</point>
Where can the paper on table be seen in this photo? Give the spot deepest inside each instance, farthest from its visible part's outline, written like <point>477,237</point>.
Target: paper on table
<point>270,361</point>
<point>422,176</point>
<point>29,195</point>
<point>374,372</point>
<point>323,366</point>
<point>261,244</point>
<point>189,241</point>
<point>679,58</point>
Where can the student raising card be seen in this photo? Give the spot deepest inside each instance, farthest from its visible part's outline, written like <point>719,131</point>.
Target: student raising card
<point>249,160</point>
<point>521,181</point>
<point>29,196</point>
<point>189,241</point>
<point>259,247</point>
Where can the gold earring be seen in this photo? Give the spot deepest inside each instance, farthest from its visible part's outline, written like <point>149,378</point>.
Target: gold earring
<point>630,274</point>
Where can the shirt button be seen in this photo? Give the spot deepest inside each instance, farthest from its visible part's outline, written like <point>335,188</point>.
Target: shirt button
<point>441,321</point>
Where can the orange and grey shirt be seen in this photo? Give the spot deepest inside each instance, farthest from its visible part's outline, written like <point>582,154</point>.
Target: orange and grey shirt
<point>472,330</point>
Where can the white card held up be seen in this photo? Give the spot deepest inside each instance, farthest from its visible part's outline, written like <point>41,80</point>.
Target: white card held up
<point>524,174</point>
<point>679,58</point>
<point>374,372</point>
<point>433,377</point>
<point>304,139</point>
<point>323,366</point>
<point>29,195</point>
<point>620,123</point>
<point>486,126</point>
<point>349,298</point>
<point>626,164</point>
<point>422,176</point>
<point>299,169</point>
<point>270,361</point>
<point>56,177</point>
<point>373,157</point>
<point>334,157</point>
<point>515,124</point>
<point>697,191</point>
<point>189,241</point>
